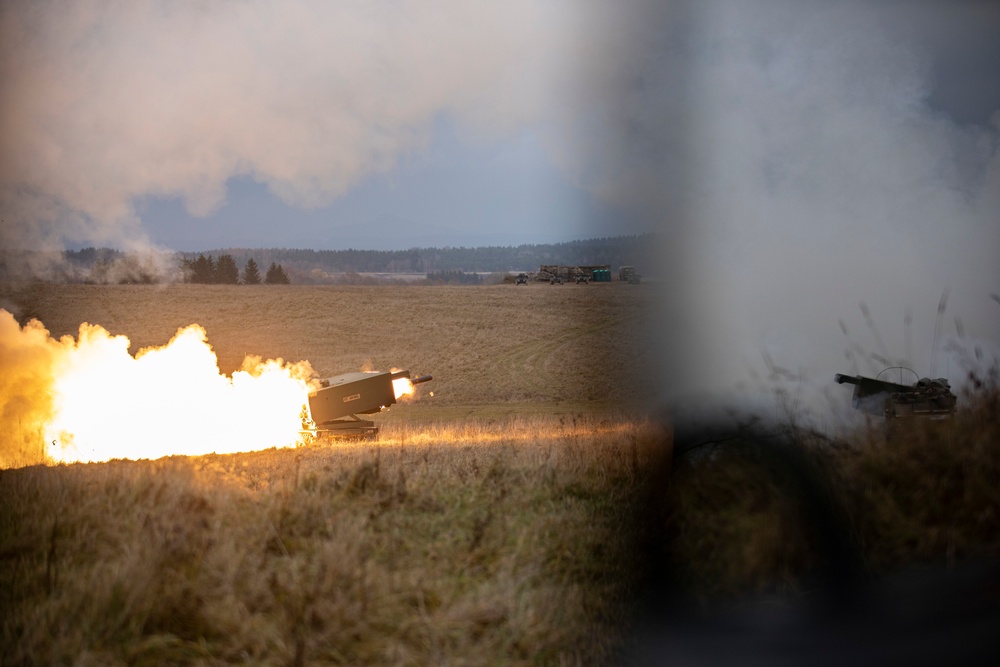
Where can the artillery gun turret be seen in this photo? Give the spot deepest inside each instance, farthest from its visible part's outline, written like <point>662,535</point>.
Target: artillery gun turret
<point>926,398</point>
<point>335,406</point>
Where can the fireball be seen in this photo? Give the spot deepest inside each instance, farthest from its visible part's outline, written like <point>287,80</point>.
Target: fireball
<point>90,400</point>
<point>402,387</point>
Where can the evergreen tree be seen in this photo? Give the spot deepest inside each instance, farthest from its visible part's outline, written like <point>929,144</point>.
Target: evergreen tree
<point>251,274</point>
<point>276,275</point>
<point>203,270</point>
<point>226,272</point>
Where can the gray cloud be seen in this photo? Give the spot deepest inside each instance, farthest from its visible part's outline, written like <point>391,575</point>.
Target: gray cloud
<point>104,102</point>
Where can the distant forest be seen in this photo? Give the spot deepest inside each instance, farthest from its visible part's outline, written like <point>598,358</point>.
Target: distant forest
<point>615,251</point>
<point>324,266</point>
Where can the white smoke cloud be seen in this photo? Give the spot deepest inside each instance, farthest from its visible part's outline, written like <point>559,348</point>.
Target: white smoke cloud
<point>819,177</point>
<point>104,102</point>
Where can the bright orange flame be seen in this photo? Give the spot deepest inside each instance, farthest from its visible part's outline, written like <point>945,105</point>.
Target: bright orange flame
<point>107,404</point>
<point>402,387</point>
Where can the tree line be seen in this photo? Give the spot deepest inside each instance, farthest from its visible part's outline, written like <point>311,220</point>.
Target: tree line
<point>108,265</point>
<point>209,271</point>
<point>637,250</point>
<point>455,278</point>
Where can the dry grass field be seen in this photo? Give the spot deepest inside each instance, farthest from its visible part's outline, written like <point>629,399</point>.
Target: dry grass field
<point>491,523</point>
<point>520,515</point>
<point>452,548</point>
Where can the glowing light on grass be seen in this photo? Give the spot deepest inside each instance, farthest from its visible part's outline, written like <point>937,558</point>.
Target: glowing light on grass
<point>519,431</point>
<point>103,403</point>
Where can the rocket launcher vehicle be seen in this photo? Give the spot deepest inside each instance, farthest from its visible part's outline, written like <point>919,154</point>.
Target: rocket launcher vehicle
<point>335,406</point>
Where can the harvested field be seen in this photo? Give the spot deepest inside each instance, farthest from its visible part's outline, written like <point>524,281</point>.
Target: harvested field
<point>492,523</point>
<point>493,350</point>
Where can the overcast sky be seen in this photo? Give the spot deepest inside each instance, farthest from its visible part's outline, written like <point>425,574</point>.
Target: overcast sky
<point>798,158</point>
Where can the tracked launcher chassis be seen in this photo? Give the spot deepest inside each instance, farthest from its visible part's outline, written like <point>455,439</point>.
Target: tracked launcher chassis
<point>925,400</point>
<point>335,406</point>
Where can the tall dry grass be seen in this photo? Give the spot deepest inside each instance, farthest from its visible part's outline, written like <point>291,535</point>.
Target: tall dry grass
<point>507,544</point>
<point>746,517</point>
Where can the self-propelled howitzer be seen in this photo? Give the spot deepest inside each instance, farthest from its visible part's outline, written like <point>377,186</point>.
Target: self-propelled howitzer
<point>924,398</point>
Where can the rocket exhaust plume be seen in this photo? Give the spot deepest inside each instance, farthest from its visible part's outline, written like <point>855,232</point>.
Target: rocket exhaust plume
<point>88,399</point>
<point>403,384</point>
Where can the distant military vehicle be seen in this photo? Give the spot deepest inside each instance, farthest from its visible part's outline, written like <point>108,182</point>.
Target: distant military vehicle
<point>927,398</point>
<point>628,274</point>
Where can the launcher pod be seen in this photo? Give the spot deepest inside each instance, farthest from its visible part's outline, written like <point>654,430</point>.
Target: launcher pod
<point>335,406</point>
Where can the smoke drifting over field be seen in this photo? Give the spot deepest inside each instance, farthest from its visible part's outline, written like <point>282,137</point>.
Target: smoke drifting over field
<point>798,158</point>
<point>106,102</point>
<point>821,190</point>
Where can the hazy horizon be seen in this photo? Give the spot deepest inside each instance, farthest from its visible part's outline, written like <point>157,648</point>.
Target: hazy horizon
<point>796,158</point>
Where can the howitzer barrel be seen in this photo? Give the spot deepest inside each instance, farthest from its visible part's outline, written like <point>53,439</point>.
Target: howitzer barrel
<point>869,385</point>
<point>870,395</point>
